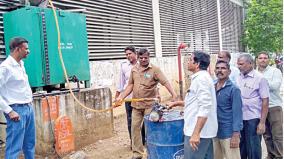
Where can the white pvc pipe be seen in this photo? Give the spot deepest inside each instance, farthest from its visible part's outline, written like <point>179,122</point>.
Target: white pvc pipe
<point>157,28</point>
<point>219,25</point>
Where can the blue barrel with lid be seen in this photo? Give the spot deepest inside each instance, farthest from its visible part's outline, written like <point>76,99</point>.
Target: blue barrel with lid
<point>165,138</point>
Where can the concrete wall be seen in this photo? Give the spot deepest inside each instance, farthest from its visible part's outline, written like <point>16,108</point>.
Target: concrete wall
<point>106,73</point>
<point>88,127</point>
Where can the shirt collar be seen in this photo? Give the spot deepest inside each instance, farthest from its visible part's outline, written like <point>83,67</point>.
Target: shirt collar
<point>250,74</point>
<point>267,68</point>
<point>128,62</point>
<point>137,67</point>
<point>227,83</point>
<point>197,74</point>
<point>14,62</point>
<point>150,65</point>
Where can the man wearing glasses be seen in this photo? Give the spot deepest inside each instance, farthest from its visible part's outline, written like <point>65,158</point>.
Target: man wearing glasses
<point>200,116</point>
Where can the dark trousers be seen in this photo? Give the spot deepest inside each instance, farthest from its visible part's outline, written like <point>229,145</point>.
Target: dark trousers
<point>273,135</point>
<point>128,109</point>
<point>250,144</point>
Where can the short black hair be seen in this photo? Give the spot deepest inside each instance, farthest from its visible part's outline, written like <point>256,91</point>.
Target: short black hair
<point>263,52</point>
<point>131,48</point>
<point>227,53</point>
<point>16,42</point>
<point>142,51</point>
<point>226,63</point>
<point>202,58</point>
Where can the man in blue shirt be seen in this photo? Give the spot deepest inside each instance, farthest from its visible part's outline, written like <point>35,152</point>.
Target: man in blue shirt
<point>229,114</point>
<point>235,72</point>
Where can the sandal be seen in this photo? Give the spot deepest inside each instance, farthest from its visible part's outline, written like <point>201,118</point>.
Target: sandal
<point>2,144</point>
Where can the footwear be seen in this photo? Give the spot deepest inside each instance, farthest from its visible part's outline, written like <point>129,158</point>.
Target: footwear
<point>137,156</point>
<point>2,144</point>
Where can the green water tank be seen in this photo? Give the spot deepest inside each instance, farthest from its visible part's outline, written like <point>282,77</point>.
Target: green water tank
<point>37,25</point>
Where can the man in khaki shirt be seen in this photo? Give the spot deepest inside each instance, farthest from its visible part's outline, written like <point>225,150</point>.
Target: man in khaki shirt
<point>143,82</point>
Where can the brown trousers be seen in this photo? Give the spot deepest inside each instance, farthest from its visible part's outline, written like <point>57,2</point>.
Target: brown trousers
<point>136,125</point>
<point>273,135</point>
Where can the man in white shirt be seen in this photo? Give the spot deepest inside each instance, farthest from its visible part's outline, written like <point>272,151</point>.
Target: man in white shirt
<point>273,135</point>
<point>200,116</point>
<point>15,102</point>
<point>235,72</point>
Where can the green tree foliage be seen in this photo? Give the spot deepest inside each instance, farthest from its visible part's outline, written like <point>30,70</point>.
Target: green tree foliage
<point>263,26</point>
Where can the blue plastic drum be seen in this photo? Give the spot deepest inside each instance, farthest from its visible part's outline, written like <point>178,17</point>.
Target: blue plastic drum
<point>165,138</point>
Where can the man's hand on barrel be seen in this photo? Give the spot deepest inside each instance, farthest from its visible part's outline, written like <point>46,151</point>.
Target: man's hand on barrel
<point>194,141</point>
<point>172,104</point>
<point>175,98</point>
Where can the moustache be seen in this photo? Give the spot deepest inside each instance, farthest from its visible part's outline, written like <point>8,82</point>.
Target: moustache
<point>219,73</point>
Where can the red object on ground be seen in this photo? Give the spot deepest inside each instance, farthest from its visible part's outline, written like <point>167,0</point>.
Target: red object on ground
<point>64,137</point>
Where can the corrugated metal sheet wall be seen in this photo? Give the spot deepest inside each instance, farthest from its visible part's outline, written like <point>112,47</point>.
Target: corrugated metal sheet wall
<point>231,21</point>
<point>190,21</point>
<point>111,25</point>
<point>4,4</point>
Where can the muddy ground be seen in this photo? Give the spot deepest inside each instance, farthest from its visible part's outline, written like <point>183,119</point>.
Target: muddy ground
<point>115,147</point>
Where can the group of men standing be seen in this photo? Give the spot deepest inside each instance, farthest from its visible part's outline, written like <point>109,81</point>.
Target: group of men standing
<point>225,117</point>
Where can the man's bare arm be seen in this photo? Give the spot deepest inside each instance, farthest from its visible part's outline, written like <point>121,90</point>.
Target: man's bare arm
<point>264,111</point>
